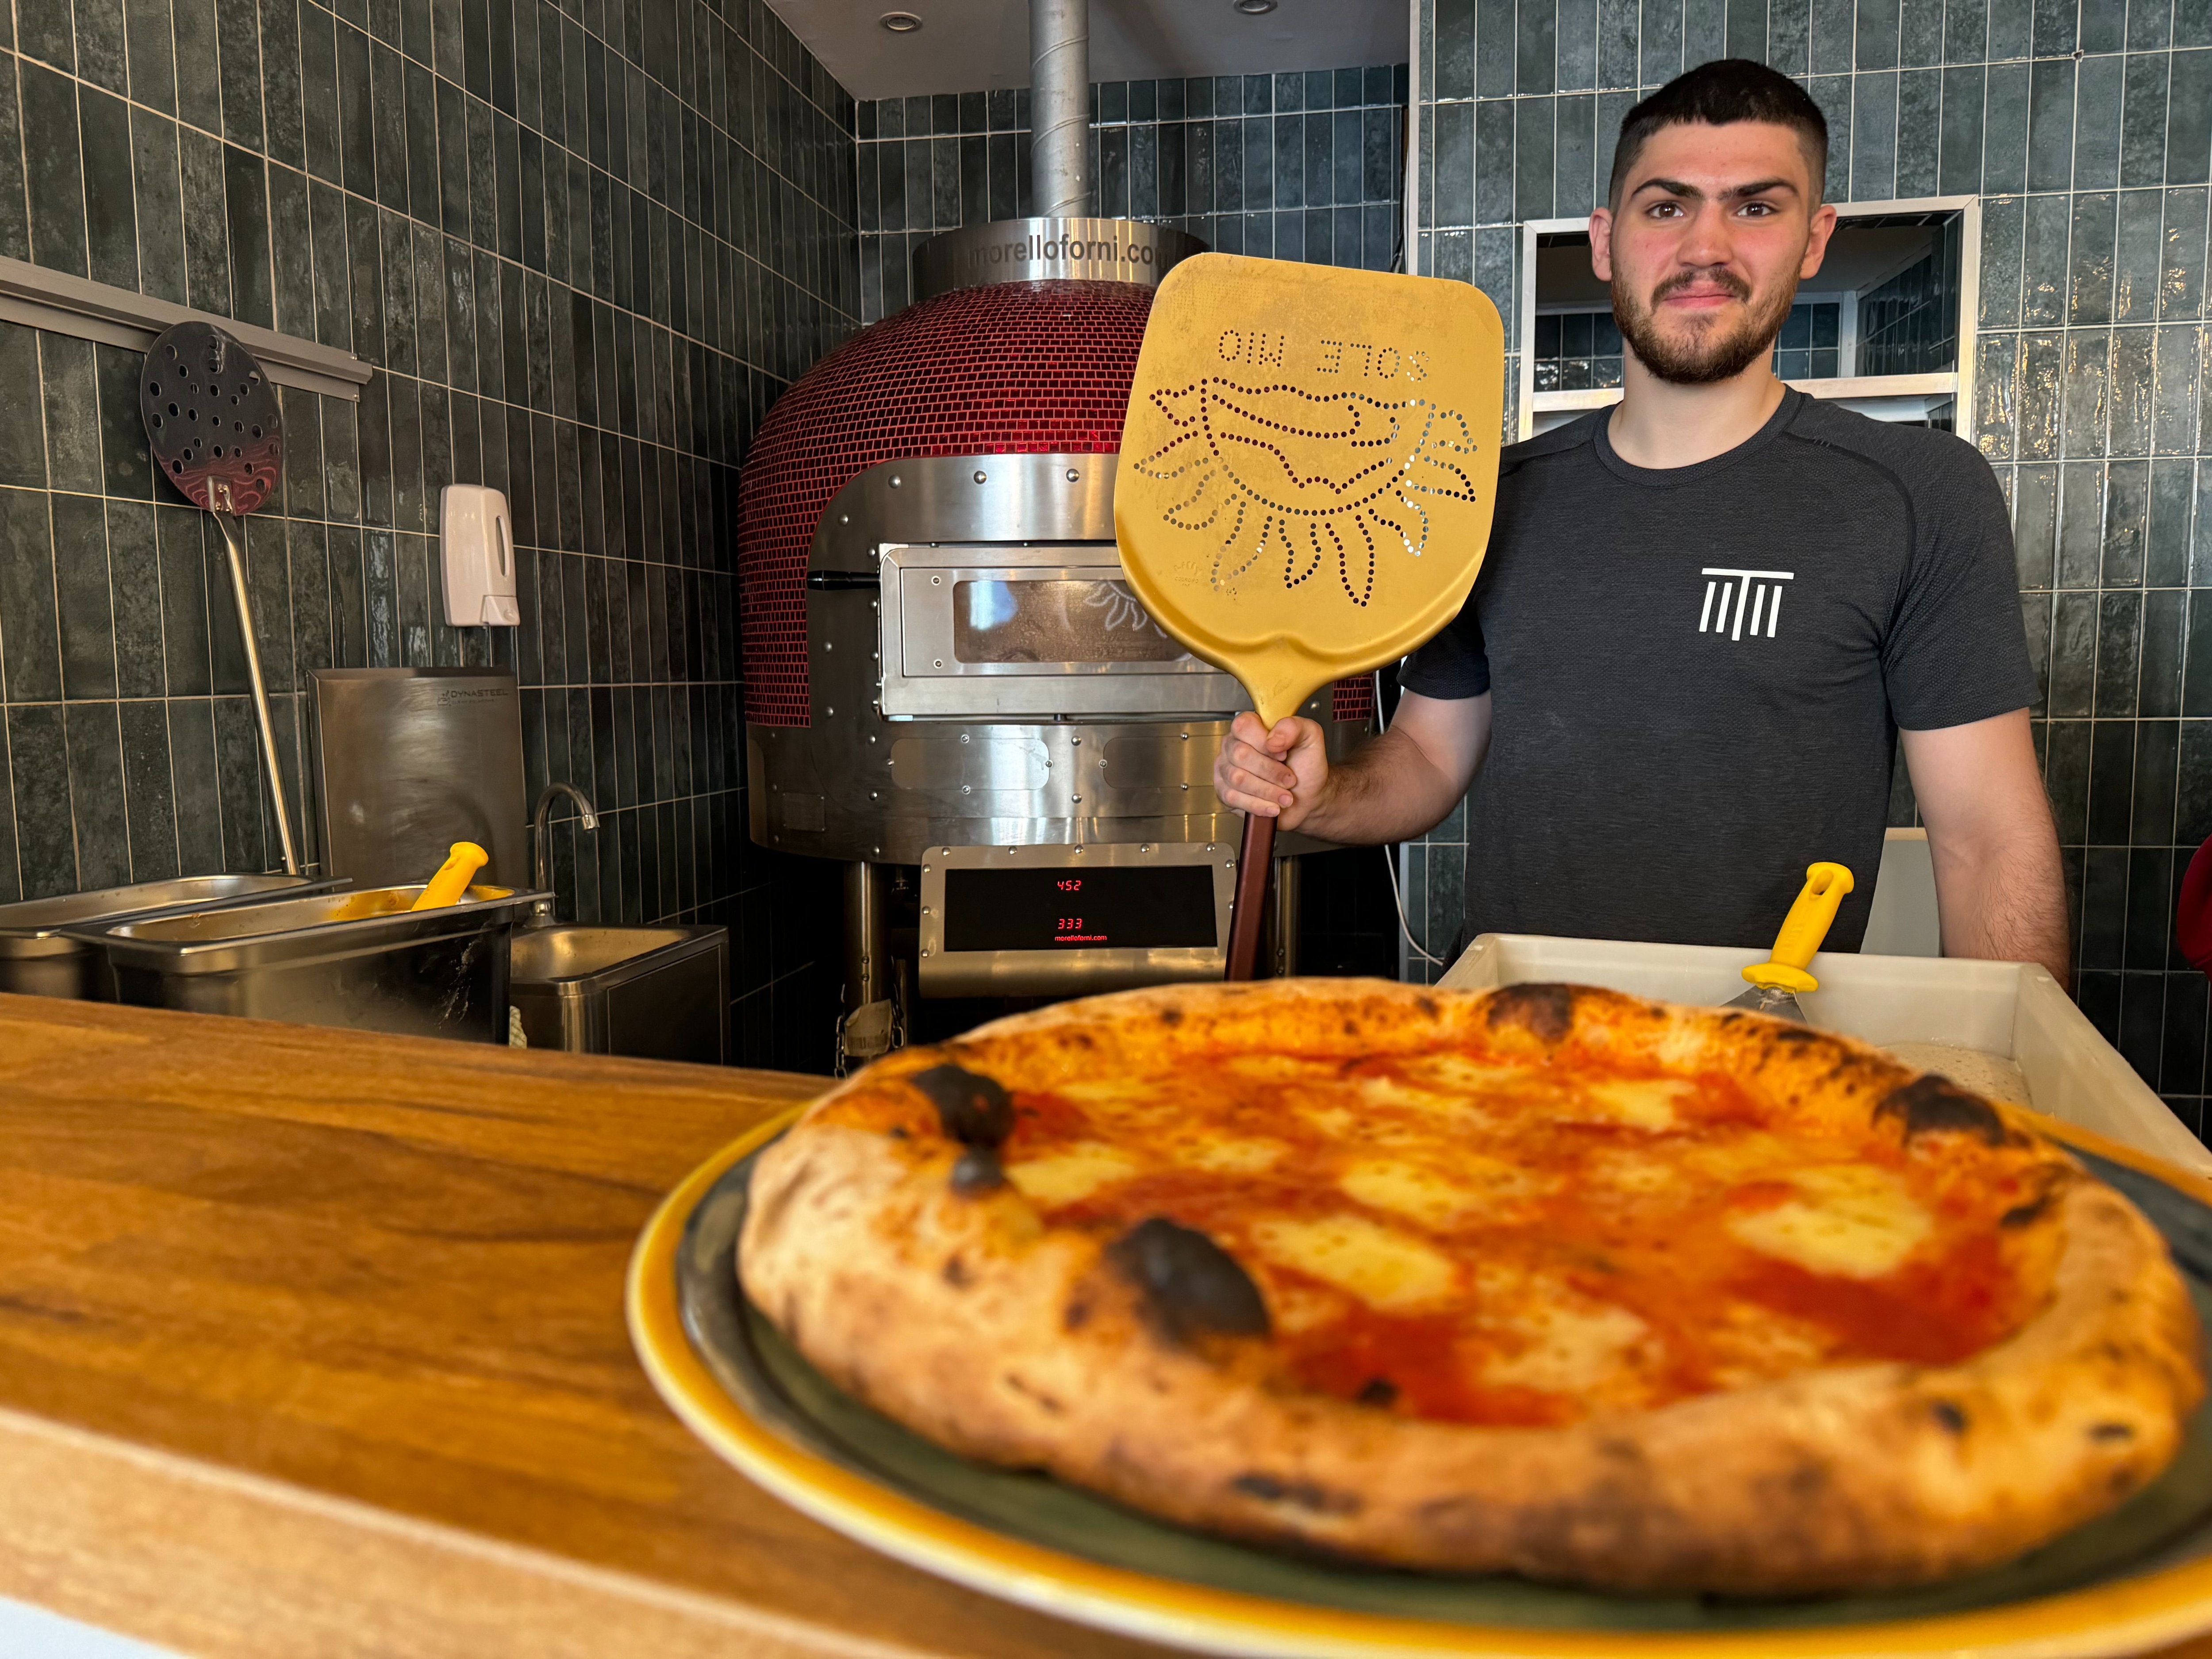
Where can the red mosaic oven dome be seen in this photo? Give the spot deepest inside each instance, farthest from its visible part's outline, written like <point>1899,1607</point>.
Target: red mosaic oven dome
<point>1014,368</point>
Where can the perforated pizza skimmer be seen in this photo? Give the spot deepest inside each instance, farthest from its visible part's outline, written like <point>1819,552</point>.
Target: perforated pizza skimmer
<point>1308,471</point>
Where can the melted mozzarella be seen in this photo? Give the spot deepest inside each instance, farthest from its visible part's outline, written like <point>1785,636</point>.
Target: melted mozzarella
<point>1571,1346</point>
<point>1382,1266</point>
<point>1113,1092</point>
<point>1851,1220</point>
<point>1459,1075</point>
<point>1390,1091</point>
<point>1639,1102</point>
<point>1071,1175</point>
<point>1406,1189</point>
<point>1228,1154</point>
<point>1277,1068</point>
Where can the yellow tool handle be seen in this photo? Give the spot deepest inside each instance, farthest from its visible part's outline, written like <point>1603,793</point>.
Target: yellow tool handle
<point>453,876</point>
<point>1803,929</point>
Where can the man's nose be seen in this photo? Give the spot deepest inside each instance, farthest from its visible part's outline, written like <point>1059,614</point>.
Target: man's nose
<point>1706,240</point>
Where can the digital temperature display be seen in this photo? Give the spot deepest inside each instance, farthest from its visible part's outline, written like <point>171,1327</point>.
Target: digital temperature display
<point>1166,907</point>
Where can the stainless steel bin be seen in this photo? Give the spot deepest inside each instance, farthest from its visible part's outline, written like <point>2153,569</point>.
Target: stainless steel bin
<point>361,960</point>
<point>652,992</point>
<point>40,957</point>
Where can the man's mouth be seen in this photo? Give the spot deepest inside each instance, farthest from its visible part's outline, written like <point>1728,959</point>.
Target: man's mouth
<point>1701,292</point>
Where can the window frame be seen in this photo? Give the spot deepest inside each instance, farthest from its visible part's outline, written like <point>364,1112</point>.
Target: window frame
<point>1875,393</point>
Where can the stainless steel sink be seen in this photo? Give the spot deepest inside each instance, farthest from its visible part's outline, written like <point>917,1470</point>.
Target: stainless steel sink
<point>654,993</point>
<point>39,956</point>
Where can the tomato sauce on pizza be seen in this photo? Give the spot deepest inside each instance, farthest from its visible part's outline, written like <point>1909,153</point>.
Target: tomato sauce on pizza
<point>1462,1241</point>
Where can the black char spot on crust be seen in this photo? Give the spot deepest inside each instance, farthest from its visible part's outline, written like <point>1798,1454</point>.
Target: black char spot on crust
<point>1299,1494</point>
<point>1547,1011</point>
<point>2111,1431</point>
<point>955,1273</point>
<point>977,1171</point>
<point>2020,1214</point>
<point>1191,1287</point>
<point>974,1109</point>
<point>1949,1415</point>
<point>1930,1105</point>
<point>1171,1016</point>
<point>1377,1391</point>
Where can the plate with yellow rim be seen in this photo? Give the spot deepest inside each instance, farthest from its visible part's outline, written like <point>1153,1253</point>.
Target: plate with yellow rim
<point>2136,1579</point>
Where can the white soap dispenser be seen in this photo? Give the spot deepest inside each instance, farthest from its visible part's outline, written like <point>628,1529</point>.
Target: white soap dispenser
<point>478,555</point>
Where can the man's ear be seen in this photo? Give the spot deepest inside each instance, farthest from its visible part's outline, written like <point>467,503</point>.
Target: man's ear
<point>1816,240</point>
<point>1601,236</point>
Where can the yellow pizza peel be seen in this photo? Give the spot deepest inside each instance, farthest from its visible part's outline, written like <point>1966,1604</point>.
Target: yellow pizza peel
<point>1307,469</point>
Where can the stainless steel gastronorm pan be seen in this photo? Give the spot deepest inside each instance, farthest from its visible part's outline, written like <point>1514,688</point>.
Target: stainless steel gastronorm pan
<point>359,960</point>
<point>38,956</point>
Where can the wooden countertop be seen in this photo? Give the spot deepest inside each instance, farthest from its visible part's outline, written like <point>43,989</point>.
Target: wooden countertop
<point>312,1342</point>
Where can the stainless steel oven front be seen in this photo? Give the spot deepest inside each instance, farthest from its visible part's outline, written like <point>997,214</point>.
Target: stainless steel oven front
<point>1093,917</point>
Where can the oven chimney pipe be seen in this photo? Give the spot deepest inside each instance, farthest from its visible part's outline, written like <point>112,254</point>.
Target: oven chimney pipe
<point>1060,107</point>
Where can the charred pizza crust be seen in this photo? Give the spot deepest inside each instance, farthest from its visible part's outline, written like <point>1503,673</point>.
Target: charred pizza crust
<point>885,1242</point>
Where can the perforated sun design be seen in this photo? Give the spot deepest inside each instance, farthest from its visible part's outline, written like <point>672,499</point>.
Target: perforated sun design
<point>1311,479</point>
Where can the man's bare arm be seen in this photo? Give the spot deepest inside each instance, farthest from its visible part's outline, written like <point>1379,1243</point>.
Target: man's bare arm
<point>1401,785</point>
<point>1999,889</point>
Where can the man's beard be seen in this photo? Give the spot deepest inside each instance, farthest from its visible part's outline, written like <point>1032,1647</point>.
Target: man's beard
<point>1701,356</point>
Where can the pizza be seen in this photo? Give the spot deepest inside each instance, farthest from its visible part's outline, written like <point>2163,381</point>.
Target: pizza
<point>1547,1279</point>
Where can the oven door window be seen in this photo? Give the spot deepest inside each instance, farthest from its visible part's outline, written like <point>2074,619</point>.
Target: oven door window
<point>1055,621</point>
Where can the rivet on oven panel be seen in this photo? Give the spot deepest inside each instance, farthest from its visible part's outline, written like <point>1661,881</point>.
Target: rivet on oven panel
<point>1073,475</point>
<point>1077,742</point>
<point>872,795</point>
<point>828,711</point>
<point>925,909</point>
<point>926,950</point>
<point>1209,846</point>
<point>937,581</point>
<point>967,788</point>
<point>844,517</point>
<point>1184,787</point>
<point>963,737</point>
<point>895,481</point>
<point>980,475</point>
<point>940,661</point>
<point>1143,847</point>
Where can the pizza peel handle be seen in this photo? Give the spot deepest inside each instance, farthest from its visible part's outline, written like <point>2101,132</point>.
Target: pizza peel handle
<point>1308,470</point>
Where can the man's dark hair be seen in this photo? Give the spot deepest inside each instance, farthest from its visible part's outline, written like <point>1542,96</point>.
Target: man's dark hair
<point>1719,94</point>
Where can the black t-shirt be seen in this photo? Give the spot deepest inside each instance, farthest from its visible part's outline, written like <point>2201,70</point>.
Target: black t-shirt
<point>1698,673</point>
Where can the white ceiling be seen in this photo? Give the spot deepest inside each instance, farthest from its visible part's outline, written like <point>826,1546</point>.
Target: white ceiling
<point>975,46</point>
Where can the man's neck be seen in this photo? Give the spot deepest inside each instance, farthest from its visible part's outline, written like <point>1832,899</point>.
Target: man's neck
<point>1659,424</point>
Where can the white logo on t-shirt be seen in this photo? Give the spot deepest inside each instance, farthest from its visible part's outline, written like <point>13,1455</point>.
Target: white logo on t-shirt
<point>1757,591</point>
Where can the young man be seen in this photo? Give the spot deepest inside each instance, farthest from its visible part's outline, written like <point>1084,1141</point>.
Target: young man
<point>1707,614</point>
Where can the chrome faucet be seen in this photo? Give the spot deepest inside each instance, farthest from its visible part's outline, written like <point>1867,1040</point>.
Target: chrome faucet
<point>541,841</point>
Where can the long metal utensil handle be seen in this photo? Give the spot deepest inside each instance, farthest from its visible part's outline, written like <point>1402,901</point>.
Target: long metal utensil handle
<point>1255,858</point>
<point>235,538</point>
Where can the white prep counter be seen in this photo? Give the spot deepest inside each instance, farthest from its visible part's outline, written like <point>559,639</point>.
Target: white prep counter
<point>2012,1009</point>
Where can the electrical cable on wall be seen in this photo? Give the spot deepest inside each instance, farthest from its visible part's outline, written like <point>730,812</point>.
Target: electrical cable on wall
<point>1389,857</point>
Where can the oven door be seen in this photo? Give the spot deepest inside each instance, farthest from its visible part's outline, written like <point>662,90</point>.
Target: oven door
<point>999,631</point>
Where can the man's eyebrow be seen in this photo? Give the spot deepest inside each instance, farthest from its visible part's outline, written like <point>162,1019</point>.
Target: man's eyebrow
<point>1676,187</point>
